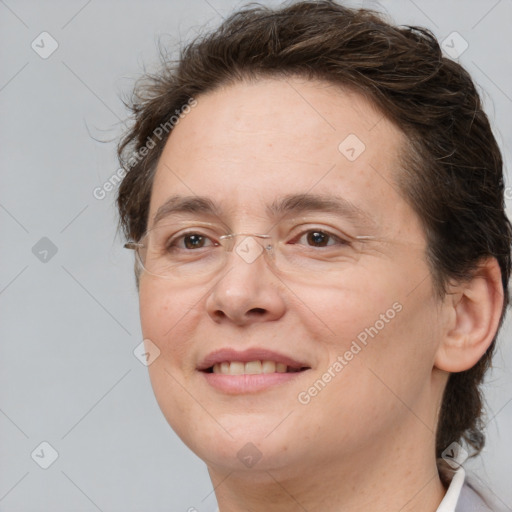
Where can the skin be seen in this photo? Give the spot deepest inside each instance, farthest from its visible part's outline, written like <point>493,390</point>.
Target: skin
<point>367,440</point>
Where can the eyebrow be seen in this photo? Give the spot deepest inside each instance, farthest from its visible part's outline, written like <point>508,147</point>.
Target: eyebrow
<point>294,204</point>
<point>291,204</point>
<point>186,204</point>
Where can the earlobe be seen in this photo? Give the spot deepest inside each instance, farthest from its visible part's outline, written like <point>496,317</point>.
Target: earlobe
<point>472,312</point>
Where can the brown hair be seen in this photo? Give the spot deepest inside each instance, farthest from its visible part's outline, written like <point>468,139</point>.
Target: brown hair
<point>451,168</point>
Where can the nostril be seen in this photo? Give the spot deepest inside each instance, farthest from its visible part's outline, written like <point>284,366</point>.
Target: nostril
<point>258,311</point>
<point>219,314</point>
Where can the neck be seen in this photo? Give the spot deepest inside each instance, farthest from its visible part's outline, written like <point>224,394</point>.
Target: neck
<point>399,477</point>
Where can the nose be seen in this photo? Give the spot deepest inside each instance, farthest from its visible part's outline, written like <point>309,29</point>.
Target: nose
<point>246,292</point>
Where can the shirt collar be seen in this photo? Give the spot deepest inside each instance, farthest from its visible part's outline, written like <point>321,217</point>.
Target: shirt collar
<point>451,497</point>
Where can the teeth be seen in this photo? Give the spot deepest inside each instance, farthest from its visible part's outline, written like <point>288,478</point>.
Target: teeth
<point>281,368</point>
<point>268,366</point>
<point>236,368</point>
<point>250,368</point>
<point>253,367</point>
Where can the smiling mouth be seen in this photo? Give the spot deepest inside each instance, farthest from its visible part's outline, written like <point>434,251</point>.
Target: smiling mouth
<point>252,368</point>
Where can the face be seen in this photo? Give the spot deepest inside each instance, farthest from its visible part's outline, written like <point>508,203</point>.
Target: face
<point>361,326</point>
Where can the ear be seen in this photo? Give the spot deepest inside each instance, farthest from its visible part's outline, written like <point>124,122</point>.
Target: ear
<point>471,312</point>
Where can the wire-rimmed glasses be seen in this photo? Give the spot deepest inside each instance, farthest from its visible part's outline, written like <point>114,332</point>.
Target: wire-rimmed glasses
<point>196,251</point>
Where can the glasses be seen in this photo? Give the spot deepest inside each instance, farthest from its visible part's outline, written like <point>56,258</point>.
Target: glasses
<point>197,251</point>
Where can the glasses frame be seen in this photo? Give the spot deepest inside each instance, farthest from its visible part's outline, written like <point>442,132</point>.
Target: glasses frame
<point>228,246</point>
<point>226,241</point>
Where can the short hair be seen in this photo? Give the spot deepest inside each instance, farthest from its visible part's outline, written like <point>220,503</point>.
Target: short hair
<point>451,166</point>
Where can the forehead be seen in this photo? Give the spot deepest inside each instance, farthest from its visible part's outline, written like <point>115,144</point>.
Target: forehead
<point>275,114</point>
<point>248,144</point>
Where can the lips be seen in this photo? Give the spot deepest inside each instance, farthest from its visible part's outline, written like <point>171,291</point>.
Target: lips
<point>249,361</point>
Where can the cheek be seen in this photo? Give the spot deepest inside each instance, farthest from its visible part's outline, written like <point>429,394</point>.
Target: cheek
<point>381,331</point>
<point>168,317</point>
<point>167,320</point>
<point>376,384</point>
<point>336,314</point>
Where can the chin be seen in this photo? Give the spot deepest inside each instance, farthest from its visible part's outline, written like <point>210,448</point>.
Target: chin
<point>250,444</point>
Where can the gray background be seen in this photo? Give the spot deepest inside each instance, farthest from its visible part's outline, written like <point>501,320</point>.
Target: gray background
<point>68,375</point>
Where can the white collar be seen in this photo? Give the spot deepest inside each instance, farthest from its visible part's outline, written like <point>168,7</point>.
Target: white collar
<point>452,494</point>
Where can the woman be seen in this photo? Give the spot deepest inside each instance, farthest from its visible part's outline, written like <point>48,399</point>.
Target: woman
<point>300,188</point>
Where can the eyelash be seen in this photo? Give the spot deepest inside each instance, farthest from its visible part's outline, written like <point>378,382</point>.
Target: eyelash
<point>339,240</point>
<point>173,242</point>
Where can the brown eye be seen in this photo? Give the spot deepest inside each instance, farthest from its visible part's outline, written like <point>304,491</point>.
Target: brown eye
<point>318,238</point>
<point>194,241</point>
<point>189,242</point>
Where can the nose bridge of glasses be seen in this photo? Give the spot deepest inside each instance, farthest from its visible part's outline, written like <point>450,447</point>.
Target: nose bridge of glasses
<point>250,245</point>
<point>229,241</point>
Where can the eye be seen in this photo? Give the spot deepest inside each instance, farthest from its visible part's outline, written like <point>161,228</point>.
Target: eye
<point>190,241</point>
<point>319,238</point>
